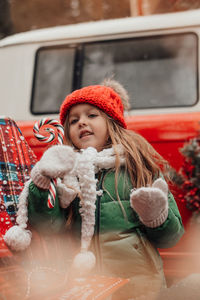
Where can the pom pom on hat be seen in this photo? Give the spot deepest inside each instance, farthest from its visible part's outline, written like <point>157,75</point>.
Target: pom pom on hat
<point>120,90</point>
<point>110,97</point>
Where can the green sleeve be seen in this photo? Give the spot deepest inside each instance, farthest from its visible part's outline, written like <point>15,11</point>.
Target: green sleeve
<point>169,233</point>
<point>42,218</point>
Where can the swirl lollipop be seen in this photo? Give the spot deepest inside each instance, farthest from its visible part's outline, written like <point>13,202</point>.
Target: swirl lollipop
<point>47,139</point>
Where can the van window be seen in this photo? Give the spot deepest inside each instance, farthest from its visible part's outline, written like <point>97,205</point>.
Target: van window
<point>158,71</point>
<point>53,79</point>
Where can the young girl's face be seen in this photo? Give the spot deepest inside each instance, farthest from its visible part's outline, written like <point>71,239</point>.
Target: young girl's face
<point>87,127</point>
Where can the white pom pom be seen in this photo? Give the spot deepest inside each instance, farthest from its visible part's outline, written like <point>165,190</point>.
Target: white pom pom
<point>17,238</point>
<point>84,262</point>
<point>119,89</point>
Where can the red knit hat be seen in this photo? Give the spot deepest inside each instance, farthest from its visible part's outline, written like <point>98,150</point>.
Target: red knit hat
<point>104,97</point>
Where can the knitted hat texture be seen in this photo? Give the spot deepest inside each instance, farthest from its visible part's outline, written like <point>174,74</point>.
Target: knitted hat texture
<point>103,97</point>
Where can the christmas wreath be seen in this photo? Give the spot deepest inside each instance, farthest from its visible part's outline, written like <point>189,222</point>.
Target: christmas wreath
<point>188,177</point>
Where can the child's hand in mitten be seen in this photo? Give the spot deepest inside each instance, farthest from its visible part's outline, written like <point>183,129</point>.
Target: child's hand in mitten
<point>55,162</point>
<point>151,203</point>
<point>67,190</point>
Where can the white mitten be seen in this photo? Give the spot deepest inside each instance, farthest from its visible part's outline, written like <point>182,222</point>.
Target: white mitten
<point>66,195</point>
<point>151,203</point>
<point>55,162</point>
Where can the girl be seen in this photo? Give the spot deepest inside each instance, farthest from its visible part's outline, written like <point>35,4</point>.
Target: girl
<point>111,190</point>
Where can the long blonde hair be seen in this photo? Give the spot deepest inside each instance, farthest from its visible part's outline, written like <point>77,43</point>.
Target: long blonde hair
<point>143,162</point>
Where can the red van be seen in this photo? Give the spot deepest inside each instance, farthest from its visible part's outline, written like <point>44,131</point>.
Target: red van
<point>155,57</point>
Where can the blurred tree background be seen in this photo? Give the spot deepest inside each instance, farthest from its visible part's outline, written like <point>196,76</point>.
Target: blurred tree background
<point>24,15</point>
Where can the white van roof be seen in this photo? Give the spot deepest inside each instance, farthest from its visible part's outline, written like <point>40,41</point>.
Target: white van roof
<point>104,27</point>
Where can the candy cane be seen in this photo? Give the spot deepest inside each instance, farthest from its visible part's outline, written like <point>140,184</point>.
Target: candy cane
<point>47,139</point>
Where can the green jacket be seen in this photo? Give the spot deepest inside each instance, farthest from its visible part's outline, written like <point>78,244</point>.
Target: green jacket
<point>122,244</point>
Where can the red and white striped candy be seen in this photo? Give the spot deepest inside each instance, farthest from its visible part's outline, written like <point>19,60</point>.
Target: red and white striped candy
<point>51,131</point>
<point>47,139</point>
